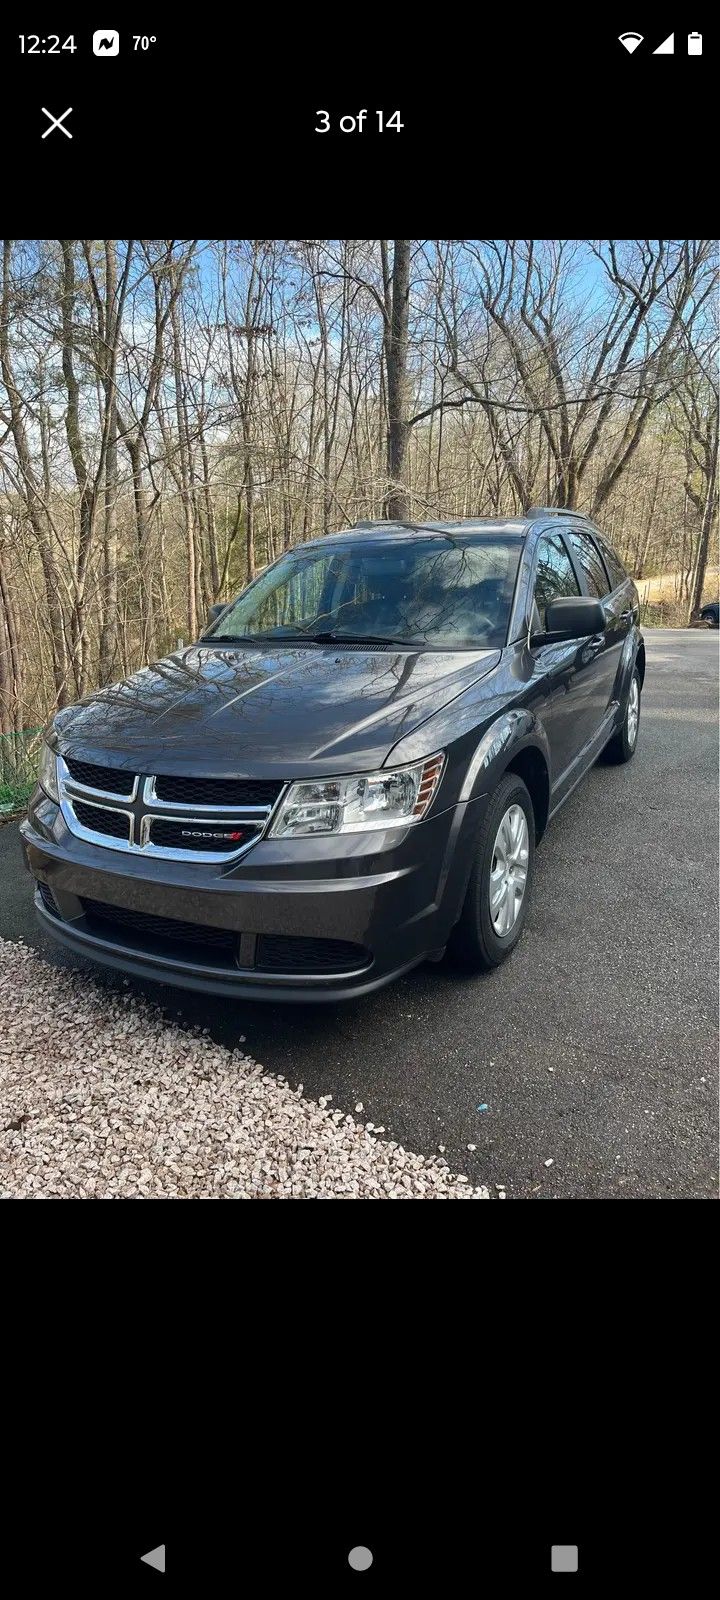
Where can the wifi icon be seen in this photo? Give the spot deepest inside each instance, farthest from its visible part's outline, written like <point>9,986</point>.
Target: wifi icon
<point>630,40</point>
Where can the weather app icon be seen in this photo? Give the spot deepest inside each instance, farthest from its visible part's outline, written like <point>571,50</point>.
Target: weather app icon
<point>106,42</point>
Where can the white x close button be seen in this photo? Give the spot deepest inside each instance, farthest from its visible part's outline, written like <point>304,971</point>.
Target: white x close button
<point>57,122</point>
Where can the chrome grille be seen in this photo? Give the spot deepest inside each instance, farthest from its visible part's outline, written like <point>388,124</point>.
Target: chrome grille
<point>142,820</point>
<point>103,819</point>
<point>105,780</point>
<point>226,792</point>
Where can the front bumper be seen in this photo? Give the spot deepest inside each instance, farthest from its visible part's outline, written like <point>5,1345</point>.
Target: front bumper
<point>385,901</point>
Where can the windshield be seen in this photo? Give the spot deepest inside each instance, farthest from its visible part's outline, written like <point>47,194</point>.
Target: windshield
<point>447,592</point>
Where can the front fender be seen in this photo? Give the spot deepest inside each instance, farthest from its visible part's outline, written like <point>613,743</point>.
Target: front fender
<point>509,734</point>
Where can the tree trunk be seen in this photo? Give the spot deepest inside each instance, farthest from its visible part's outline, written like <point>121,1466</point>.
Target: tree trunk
<point>108,631</point>
<point>83,477</point>
<point>186,494</point>
<point>211,523</point>
<point>698,583</point>
<point>11,670</point>
<point>396,361</point>
<point>148,643</point>
<point>645,550</point>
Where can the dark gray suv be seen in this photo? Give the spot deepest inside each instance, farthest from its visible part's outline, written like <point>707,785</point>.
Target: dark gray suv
<point>351,770</point>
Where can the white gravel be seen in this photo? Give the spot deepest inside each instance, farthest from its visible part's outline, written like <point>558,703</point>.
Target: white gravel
<point>100,1096</point>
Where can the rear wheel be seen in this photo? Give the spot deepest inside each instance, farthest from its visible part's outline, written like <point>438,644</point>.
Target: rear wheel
<point>623,744</point>
<point>498,894</point>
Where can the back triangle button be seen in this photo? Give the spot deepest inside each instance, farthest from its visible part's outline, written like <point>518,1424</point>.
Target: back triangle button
<point>155,1558</point>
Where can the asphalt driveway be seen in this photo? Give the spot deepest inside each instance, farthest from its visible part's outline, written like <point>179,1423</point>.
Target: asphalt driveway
<point>594,1048</point>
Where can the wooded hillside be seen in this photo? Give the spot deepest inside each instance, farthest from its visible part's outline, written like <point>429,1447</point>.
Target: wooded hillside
<point>176,413</point>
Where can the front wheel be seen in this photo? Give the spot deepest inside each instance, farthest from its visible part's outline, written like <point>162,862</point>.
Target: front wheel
<point>623,744</point>
<point>498,894</point>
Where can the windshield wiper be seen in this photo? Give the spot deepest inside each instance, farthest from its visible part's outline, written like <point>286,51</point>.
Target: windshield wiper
<point>252,638</point>
<point>230,638</point>
<point>359,638</point>
<point>308,638</point>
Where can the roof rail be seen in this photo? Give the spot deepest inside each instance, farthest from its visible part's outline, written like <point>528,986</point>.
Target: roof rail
<point>401,522</point>
<point>558,511</point>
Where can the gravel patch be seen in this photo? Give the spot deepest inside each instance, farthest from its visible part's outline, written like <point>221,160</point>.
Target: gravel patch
<point>100,1096</point>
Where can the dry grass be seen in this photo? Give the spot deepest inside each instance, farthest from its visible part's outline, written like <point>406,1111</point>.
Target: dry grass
<point>667,589</point>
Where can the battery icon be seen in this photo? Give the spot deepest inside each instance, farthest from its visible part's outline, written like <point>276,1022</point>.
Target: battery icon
<point>694,44</point>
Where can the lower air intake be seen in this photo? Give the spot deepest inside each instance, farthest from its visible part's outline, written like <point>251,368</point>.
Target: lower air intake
<point>284,953</point>
<point>108,917</point>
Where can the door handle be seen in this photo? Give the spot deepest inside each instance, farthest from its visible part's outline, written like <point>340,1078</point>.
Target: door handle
<point>625,614</point>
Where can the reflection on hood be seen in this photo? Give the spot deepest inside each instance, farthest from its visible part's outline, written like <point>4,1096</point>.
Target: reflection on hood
<point>268,710</point>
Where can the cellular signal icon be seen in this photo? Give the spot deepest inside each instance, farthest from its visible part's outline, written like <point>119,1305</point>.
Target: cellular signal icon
<point>630,40</point>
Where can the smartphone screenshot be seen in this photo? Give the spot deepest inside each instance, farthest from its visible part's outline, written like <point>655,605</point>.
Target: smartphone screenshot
<point>358,798</point>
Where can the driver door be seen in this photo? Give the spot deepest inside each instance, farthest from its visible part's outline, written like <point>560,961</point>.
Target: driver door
<point>561,672</point>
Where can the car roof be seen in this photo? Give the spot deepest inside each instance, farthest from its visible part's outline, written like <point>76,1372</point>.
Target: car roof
<point>481,527</point>
<point>467,527</point>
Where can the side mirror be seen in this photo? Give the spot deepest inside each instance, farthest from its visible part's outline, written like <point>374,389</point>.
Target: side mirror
<point>571,618</point>
<point>216,611</point>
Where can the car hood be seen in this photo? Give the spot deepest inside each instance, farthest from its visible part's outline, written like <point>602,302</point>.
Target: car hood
<point>267,712</point>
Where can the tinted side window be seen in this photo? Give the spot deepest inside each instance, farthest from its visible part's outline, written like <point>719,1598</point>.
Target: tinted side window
<point>588,557</point>
<point>555,579</point>
<point>613,563</point>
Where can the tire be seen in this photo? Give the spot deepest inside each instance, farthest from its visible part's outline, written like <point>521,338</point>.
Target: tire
<point>623,744</point>
<point>476,944</point>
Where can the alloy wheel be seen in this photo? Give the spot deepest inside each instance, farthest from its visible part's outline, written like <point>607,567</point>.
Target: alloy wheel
<point>508,873</point>
<point>633,712</point>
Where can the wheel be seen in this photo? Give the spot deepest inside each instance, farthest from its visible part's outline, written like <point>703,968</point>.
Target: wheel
<point>623,744</point>
<point>498,894</point>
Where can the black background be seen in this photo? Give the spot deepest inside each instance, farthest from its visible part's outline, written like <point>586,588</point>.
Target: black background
<point>547,117</point>
<point>474,1526</point>
<point>261,1388</point>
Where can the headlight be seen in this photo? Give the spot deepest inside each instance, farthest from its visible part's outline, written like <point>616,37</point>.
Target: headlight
<point>47,771</point>
<point>352,805</point>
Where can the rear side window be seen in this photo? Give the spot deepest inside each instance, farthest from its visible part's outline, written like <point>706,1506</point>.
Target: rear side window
<point>555,578</point>
<point>588,557</point>
<point>613,563</point>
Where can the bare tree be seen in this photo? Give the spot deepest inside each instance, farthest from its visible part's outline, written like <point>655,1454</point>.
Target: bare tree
<point>176,413</point>
<point>696,414</point>
<point>24,479</point>
<point>539,351</point>
<point>397,314</point>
